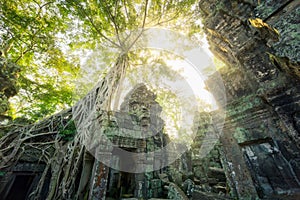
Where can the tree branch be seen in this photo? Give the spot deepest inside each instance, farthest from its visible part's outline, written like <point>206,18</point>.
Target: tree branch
<point>145,14</point>
<point>112,18</point>
<point>126,11</point>
<point>93,24</point>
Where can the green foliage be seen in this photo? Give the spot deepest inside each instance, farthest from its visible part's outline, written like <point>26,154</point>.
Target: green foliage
<point>49,39</point>
<point>28,38</point>
<point>2,173</point>
<point>67,132</point>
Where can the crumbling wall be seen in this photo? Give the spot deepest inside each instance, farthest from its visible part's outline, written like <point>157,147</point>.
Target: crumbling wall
<point>259,42</point>
<point>259,151</point>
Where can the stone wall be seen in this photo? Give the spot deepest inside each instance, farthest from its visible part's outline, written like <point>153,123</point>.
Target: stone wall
<point>259,147</point>
<point>259,42</point>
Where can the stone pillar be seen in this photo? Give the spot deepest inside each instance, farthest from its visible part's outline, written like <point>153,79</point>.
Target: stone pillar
<point>140,179</point>
<point>100,179</point>
<point>140,186</point>
<point>236,170</point>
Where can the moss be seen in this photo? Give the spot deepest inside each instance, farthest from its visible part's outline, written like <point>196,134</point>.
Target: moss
<point>266,8</point>
<point>244,103</point>
<point>289,43</point>
<point>240,134</point>
<point>220,5</point>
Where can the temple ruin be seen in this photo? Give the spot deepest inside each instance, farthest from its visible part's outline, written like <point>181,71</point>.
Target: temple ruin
<point>257,156</point>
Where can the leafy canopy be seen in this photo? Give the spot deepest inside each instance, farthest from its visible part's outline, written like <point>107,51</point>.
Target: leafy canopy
<point>50,39</point>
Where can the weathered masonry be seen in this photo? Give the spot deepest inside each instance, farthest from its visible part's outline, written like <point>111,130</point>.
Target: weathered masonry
<point>259,42</point>
<point>257,157</point>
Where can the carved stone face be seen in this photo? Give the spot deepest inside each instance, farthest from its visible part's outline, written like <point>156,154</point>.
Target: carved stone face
<point>140,110</point>
<point>141,104</point>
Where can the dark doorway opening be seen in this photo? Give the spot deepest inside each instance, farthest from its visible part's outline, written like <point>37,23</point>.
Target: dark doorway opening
<point>127,185</point>
<point>121,184</point>
<point>20,188</point>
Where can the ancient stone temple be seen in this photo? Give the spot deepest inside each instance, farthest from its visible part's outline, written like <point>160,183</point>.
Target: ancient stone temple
<point>258,153</point>
<point>259,41</point>
<point>137,111</point>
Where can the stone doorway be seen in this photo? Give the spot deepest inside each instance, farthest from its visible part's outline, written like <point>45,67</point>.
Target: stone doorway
<point>121,184</point>
<point>20,187</point>
<point>19,183</point>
